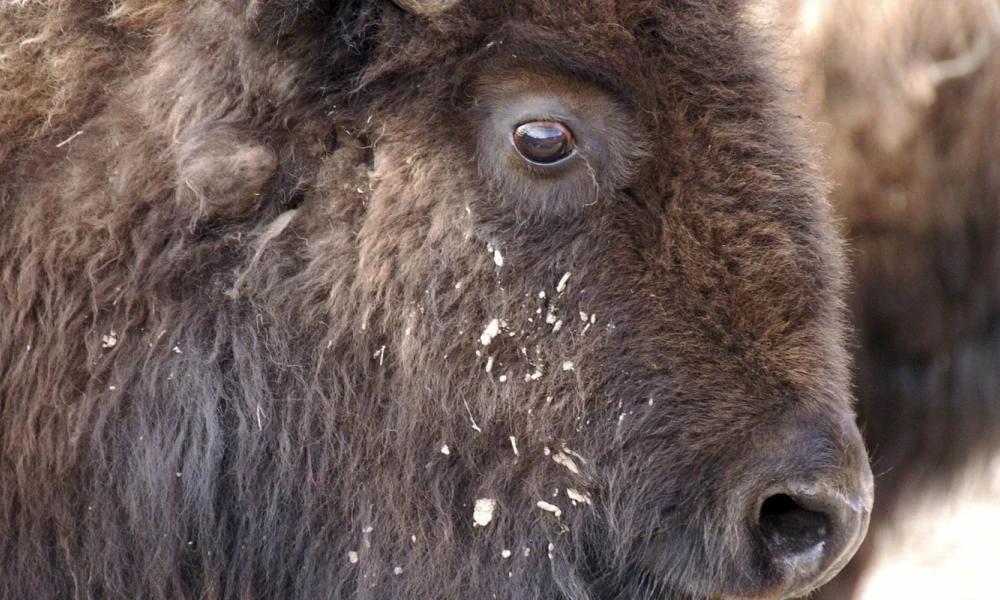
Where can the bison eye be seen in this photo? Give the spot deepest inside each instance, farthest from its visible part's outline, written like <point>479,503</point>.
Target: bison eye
<point>544,142</point>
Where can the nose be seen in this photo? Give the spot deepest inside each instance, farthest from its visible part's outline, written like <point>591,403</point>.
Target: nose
<point>810,521</point>
<point>810,531</point>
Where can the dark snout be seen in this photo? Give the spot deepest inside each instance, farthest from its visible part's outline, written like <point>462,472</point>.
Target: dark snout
<point>811,511</point>
<point>810,531</point>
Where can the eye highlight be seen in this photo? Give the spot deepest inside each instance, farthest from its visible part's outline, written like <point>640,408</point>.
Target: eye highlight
<point>544,142</point>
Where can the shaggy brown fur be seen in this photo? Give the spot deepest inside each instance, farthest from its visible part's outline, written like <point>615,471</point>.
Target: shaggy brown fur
<point>253,253</point>
<point>906,93</point>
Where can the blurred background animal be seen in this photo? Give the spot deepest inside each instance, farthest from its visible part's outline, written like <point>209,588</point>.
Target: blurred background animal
<point>905,100</point>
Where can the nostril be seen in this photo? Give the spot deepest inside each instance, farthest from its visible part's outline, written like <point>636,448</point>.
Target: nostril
<point>807,532</point>
<point>790,529</point>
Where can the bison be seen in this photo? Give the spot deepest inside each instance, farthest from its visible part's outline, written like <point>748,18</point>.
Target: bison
<point>905,95</point>
<point>424,299</point>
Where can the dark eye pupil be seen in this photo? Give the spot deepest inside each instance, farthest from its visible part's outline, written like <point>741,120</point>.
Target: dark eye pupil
<point>543,142</point>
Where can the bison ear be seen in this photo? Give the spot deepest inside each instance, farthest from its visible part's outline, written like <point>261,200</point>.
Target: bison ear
<point>425,7</point>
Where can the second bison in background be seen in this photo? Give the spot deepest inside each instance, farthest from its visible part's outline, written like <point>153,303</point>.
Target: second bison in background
<point>905,95</point>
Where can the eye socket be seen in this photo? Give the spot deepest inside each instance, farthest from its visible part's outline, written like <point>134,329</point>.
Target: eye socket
<point>544,142</point>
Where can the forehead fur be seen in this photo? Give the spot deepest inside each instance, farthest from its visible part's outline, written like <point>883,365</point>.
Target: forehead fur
<point>604,40</point>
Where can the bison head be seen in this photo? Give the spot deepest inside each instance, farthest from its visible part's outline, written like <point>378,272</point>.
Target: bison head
<point>438,300</point>
<point>591,236</point>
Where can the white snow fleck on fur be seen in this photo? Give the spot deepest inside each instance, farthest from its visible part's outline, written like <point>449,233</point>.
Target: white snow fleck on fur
<point>475,427</point>
<point>491,331</point>
<point>533,376</point>
<point>550,317</point>
<point>541,295</point>
<point>513,444</point>
<point>110,340</point>
<point>503,379</point>
<point>505,553</point>
<point>497,257</point>
<point>557,326</point>
<point>526,552</point>
<point>552,508</point>
<point>575,455</point>
<point>577,497</point>
<point>551,550</point>
<point>445,450</point>
<point>70,138</point>
<point>397,571</point>
<point>564,460</point>
<point>352,557</point>
<point>567,366</point>
<point>489,364</point>
<point>177,350</point>
<point>561,287</point>
<point>482,512</point>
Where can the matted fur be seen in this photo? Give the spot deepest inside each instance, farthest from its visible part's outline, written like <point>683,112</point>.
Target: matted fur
<point>249,269</point>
